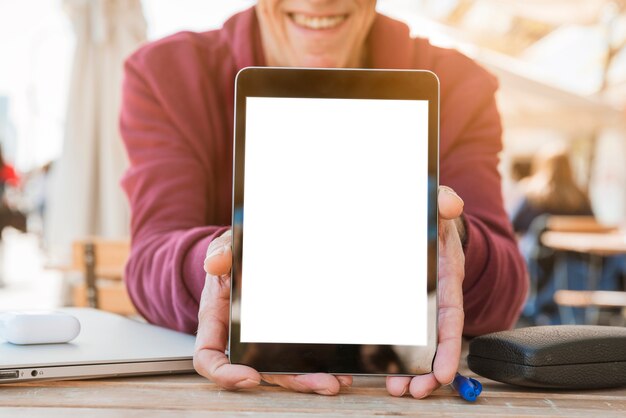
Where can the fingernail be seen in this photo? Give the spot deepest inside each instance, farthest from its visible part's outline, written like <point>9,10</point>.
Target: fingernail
<point>326,392</point>
<point>248,383</point>
<point>421,396</point>
<point>218,251</point>
<point>452,193</point>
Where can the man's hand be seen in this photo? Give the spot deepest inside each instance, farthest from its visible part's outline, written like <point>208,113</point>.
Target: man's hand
<point>211,362</point>
<point>209,359</point>
<point>451,317</point>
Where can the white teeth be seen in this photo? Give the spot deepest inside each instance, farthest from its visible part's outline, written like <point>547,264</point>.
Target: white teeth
<point>313,22</point>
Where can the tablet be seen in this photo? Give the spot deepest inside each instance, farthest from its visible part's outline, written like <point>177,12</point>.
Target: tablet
<point>335,221</point>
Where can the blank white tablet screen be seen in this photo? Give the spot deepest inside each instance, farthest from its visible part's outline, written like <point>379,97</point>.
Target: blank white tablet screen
<point>335,221</point>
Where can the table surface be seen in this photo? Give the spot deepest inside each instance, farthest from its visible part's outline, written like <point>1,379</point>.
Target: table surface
<point>577,224</point>
<point>601,243</point>
<point>193,396</point>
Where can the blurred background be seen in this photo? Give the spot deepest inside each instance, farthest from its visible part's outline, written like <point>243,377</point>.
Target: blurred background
<point>562,71</point>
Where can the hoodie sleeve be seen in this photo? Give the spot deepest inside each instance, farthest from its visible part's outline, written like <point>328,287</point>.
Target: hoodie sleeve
<point>171,190</point>
<point>496,282</point>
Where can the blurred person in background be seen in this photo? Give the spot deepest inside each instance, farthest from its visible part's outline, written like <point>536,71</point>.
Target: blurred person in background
<point>177,125</point>
<point>8,176</point>
<point>552,190</point>
<point>9,216</point>
<point>34,198</point>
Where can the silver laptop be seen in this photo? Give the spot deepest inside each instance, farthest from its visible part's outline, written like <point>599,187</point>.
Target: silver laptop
<point>108,345</point>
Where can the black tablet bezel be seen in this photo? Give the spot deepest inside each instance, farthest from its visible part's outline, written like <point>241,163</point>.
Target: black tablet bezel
<point>339,84</point>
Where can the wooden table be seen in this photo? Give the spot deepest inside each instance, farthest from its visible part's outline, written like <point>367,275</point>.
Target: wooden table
<point>597,243</point>
<point>577,224</point>
<point>193,396</point>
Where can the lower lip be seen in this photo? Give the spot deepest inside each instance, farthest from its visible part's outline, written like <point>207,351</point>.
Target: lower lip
<point>311,31</point>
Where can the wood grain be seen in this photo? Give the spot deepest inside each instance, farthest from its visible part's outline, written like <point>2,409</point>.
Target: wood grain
<point>578,224</point>
<point>191,395</point>
<point>609,243</point>
<point>111,256</point>
<point>584,298</point>
<point>112,297</point>
<point>110,259</point>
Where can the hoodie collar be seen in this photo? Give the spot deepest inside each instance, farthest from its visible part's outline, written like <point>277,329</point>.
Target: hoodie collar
<point>244,36</point>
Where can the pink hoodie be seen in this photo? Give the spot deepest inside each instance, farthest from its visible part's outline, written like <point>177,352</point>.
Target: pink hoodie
<point>177,124</point>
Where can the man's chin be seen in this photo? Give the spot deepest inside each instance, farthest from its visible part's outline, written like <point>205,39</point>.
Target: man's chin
<point>316,61</point>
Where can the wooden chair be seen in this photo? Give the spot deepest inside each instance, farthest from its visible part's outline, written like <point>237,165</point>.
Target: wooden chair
<point>584,298</point>
<point>585,235</point>
<point>592,299</point>
<point>561,223</point>
<point>102,262</point>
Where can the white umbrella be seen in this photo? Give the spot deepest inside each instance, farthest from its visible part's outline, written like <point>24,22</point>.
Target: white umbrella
<point>85,197</point>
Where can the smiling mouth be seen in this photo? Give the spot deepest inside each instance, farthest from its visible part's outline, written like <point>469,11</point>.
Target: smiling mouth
<point>317,22</point>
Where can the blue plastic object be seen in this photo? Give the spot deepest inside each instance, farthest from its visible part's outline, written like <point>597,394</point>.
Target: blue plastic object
<point>468,388</point>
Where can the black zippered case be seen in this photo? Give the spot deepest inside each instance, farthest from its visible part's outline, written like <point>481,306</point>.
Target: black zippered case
<point>556,357</point>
